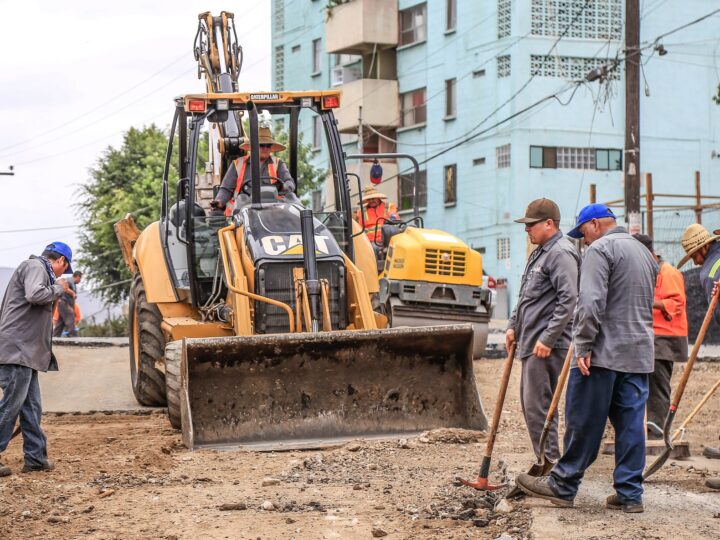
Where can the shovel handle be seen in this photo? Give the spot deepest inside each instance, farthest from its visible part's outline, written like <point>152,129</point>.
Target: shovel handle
<point>507,368</point>
<point>677,396</point>
<point>552,409</point>
<point>697,408</point>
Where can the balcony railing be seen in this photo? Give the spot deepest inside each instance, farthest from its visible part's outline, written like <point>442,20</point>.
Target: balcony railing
<point>379,100</point>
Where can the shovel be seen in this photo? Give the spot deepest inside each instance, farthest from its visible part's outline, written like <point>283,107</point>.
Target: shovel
<point>544,465</point>
<point>481,482</point>
<point>677,396</point>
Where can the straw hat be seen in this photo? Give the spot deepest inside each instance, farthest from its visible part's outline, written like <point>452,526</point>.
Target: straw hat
<point>265,137</point>
<point>693,239</point>
<point>370,192</point>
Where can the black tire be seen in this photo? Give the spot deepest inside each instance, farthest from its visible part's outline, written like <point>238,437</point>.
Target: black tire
<point>173,353</point>
<point>147,348</point>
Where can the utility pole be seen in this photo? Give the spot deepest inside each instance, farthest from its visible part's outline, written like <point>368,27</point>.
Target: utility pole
<point>632,116</point>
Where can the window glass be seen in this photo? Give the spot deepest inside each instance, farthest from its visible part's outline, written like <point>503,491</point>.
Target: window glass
<point>450,14</point>
<point>601,160</point>
<point>450,98</point>
<point>406,191</point>
<point>536,156</point>
<point>412,108</point>
<point>450,184</point>
<point>615,160</point>
<point>413,25</point>
<point>316,52</point>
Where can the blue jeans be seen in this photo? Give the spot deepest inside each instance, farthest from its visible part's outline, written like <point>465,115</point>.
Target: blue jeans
<point>21,397</point>
<point>603,394</point>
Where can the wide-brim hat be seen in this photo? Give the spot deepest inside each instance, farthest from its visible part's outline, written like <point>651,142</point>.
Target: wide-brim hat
<point>265,137</point>
<point>694,239</point>
<point>371,193</point>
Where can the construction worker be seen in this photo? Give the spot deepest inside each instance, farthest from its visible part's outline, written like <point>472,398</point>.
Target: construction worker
<point>26,348</point>
<point>66,308</point>
<point>704,250</point>
<point>273,171</point>
<point>374,214</point>
<point>613,340</point>
<point>670,327</point>
<point>540,323</point>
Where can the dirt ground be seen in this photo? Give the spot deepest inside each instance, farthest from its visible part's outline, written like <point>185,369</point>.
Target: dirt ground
<point>128,476</point>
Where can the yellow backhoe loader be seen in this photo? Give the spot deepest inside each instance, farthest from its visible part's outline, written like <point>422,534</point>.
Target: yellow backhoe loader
<point>257,328</point>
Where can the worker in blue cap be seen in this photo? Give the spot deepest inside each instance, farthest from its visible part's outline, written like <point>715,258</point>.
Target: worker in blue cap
<point>613,340</point>
<point>26,348</point>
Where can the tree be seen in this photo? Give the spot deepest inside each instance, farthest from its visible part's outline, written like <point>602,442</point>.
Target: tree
<point>128,179</point>
<point>716,97</point>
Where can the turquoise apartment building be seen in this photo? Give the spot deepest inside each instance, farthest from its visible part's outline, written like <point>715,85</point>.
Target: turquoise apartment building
<point>433,78</point>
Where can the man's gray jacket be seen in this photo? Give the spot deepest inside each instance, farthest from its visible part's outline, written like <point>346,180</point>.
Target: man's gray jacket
<point>614,318</point>
<point>548,293</point>
<point>26,317</point>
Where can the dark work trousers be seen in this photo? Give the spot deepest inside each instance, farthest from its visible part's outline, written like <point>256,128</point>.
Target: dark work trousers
<point>66,322</point>
<point>591,400</point>
<point>659,398</point>
<point>21,398</point>
<point>537,384</point>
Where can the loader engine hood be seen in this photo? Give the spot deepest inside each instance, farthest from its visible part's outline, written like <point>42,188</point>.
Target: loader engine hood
<point>273,232</point>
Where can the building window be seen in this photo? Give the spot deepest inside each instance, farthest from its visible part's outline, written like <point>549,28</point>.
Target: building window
<point>406,191</point>
<point>413,25</point>
<point>478,161</point>
<point>295,49</point>
<point>504,10</point>
<point>316,50</point>
<point>450,14</point>
<point>346,68</point>
<point>592,20</point>
<point>279,16</point>
<point>317,200</point>
<point>317,132</point>
<point>502,156</point>
<point>279,68</point>
<point>574,68</point>
<point>450,184</point>
<point>450,98</point>
<point>503,66</point>
<point>503,249</point>
<point>412,108</point>
<point>552,157</point>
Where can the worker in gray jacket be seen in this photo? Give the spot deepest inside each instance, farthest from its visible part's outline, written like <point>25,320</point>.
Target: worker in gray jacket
<point>613,339</point>
<point>540,323</point>
<point>26,348</point>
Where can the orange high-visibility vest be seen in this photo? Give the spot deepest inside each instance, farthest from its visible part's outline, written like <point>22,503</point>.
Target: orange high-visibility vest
<point>240,168</point>
<point>380,213</point>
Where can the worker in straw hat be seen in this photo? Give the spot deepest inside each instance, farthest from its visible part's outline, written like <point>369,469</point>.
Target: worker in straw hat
<point>375,213</point>
<point>704,250</point>
<point>273,171</point>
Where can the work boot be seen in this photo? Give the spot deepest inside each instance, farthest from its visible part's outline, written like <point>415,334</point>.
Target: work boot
<point>614,502</point>
<point>713,483</point>
<point>4,470</point>
<point>539,487</point>
<point>47,466</point>
<point>711,452</point>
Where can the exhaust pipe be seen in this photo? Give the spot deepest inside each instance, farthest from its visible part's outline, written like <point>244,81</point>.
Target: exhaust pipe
<point>254,156</point>
<point>307,229</point>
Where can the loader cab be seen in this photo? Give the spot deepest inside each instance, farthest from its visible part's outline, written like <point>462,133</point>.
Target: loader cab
<point>197,159</point>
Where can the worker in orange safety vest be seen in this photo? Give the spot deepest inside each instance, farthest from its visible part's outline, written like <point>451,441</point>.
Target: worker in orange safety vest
<point>375,214</point>
<point>237,178</point>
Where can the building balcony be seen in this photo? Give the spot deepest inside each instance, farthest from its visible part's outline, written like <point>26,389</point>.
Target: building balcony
<point>357,26</point>
<point>379,100</point>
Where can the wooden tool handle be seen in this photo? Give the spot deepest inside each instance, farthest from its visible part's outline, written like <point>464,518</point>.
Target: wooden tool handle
<point>507,368</point>
<point>693,355</point>
<point>560,385</point>
<point>697,408</point>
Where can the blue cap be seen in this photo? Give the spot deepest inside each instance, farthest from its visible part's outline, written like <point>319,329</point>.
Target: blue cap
<point>590,212</point>
<point>61,248</point>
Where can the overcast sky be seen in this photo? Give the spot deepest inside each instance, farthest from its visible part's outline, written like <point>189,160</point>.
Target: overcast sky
<point>75,76</point>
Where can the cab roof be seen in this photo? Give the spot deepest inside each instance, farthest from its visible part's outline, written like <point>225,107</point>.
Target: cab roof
<point>318,97</point>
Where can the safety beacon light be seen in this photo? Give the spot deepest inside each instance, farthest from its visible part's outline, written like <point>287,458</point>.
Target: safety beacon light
<point>376,173</point>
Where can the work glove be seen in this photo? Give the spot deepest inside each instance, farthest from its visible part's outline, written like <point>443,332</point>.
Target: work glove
<point>288,186</point>
<point>246,188</point>
<point>218,209</point>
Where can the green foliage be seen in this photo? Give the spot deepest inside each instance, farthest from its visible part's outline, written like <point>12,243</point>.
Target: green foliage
<point>113,327</point>
<point>716,97</point>
<point>128,179</point>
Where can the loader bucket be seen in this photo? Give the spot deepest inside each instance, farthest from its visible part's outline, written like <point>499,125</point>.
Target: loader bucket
<point>305,390</point>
